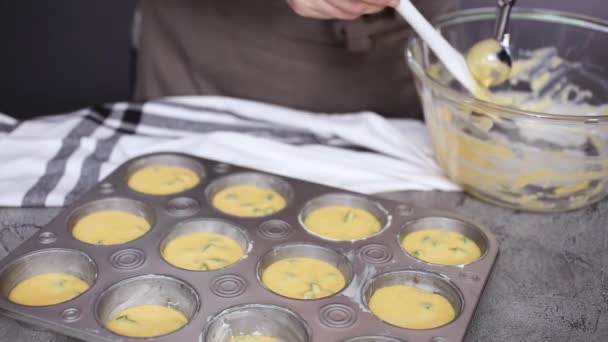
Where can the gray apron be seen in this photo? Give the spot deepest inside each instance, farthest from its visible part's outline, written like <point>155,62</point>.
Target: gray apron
<point>261,50</point>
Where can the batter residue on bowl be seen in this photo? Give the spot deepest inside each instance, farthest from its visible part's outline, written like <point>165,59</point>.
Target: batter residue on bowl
<point>253,338</point>
<point>202,251</point>
<point>411,308</point>
<point>47,289</point>
<point>163,180</point>
<point>342,223</point>
<point>303,278</point>
<point>146,321</point>
<point>439,246</point>
<point>110,227</point>
<point>248,201</point>
<point>525,163</point>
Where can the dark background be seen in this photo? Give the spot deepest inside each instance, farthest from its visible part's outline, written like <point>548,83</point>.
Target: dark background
<point>61,55</point>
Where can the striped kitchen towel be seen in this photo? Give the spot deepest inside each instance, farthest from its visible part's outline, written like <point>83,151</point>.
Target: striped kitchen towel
<point>50,161</point>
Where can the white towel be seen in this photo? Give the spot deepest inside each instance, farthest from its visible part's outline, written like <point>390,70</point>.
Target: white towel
<point>50,161</point>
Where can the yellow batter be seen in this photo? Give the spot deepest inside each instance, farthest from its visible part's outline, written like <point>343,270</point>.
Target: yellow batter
<point>248,201</point>
<point>163,180</point>
<point>253,338</point>
<point>202,251</point>
<point>47,289</point>
<point>146,321</point>
<point>342,223</point>
<point>485,66</point>
<point>110,227</point>
<point>303,278</point>
<point>441,247</point>
<point>411,308</point>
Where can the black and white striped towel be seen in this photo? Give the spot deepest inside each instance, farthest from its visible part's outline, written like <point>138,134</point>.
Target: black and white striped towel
<point>50,161</point>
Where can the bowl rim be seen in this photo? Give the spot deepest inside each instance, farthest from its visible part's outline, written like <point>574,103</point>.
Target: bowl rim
<point>484,13</point>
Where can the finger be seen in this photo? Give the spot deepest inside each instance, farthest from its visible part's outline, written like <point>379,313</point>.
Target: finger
<point>353,8</point>
<point>332,9</point>
<point>338,9</point>
<point>374,9</point>
<point>383,3</point>
<point>307,11</point>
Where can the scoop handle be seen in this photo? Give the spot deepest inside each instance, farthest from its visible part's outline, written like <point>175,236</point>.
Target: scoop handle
<point>503,15</point>
<point>448,55</point>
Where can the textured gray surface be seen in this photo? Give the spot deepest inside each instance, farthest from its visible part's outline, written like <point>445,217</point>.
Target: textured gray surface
<point>550,282</point>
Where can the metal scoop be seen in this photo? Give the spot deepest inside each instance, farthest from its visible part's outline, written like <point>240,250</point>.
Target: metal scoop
<point>489,60</point>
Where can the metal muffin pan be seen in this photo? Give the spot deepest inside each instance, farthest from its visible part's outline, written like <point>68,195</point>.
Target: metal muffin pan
<point>232,300</point>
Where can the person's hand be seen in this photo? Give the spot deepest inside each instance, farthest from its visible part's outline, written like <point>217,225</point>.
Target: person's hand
<point>339,9</point>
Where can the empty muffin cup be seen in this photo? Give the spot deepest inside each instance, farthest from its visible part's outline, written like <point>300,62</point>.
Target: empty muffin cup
<point>204,245</point>
<point>343,217</point>
<point>47,277</point>
<point>443,241</point>
<point>111,221</point>
<point>273,322</point>
<point>147,306</point>
<point>413,299</point>
<point>164,174</point>
<point>249,194</point>
<point>304,271</point>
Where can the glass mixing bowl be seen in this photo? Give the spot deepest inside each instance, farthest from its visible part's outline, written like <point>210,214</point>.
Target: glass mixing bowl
<point>550,159</point>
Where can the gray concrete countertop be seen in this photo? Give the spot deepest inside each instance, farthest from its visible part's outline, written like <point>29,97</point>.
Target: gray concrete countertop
<point>550,282</point>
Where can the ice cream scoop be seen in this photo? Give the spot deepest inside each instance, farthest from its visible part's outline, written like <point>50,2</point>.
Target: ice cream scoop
<point>489,60</point>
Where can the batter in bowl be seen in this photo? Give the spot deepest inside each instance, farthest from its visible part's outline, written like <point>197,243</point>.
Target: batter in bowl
<point>248,201</point>
<point>163,180</point>
<point>342,223</point>
<point>440,246</point>
<point>253,338</point>
<point>110,227</point>
<point>47,289</point>
<point>484,66</point>
<point>146,321</point>
<point>303,278</point>
<point>411,308</point>
<point>516,163</point>
<point>202,251</point>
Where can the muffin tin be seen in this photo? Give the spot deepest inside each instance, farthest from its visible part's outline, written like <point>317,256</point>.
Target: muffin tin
<point>232,300</point>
